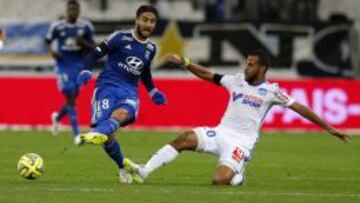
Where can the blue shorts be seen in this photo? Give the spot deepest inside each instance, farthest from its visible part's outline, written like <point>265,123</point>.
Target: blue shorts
<point>67,83</point>
<point>106,99</point>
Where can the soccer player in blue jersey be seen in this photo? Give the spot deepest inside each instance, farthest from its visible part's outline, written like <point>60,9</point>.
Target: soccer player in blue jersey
<point>115,102</point>
<point>73,37</point>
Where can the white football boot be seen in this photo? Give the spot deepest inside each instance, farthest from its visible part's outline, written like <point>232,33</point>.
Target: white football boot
<point>124,176</point>
<point>77,140</point>
<point>134,170</point>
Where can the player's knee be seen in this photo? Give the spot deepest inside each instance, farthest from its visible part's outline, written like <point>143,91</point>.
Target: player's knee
<point>121,114</point>
<point>186,141</point>
<point>221,180</point>
<point>71,98</point>
<point>111,139</point>
<point>223,175</point>
<point>70,102</point>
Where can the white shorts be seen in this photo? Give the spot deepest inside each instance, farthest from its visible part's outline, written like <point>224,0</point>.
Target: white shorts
<point>220,141</point>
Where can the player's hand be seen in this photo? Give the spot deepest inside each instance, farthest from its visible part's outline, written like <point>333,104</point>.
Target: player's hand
<point>55,55</point>
<point>81,41</point>
<point>179,60</point>
<point>158,97</point>
<point>84,77</point>
<point>342,136</point>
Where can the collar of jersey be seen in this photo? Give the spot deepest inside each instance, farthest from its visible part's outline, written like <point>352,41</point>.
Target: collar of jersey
<point>71,24</point>
<point>134,36</point>
<point>256,85</point>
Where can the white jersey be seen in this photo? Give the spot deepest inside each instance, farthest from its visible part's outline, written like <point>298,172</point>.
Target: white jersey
<point>248,106</point>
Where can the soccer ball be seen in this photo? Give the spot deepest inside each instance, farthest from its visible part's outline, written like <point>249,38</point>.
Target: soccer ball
<point>31,166</point>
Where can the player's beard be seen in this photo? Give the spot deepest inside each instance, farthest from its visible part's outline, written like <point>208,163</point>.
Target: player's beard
<point>250,76</point>
<point>140,33</point>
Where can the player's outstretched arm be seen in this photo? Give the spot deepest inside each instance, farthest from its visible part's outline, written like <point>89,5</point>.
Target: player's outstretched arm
<point>101,50</point>
<point>156,95</point>
<point>198,70</point>
<point>310,115</point>
<point>85,74</point>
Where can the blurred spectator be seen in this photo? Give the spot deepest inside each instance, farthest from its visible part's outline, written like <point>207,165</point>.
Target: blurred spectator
<point>214,10</point>
<point>235,10</point>
<point>270,10</point>
<point>159,5</point>
<point>304,11</point>
<point>104,4</point>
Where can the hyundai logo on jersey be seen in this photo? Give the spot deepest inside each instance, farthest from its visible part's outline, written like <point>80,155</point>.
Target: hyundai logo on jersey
<point>133,65</point>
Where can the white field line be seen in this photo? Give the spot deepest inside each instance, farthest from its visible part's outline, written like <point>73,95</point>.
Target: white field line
<point>323,179</point>
<point>167,191</point>
<point>24,127</point>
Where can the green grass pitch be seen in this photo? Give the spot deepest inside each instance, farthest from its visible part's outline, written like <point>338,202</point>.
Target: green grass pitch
<point>285,168</point>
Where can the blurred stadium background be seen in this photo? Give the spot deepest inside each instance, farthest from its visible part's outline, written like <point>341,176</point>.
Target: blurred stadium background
<point>313,45</point>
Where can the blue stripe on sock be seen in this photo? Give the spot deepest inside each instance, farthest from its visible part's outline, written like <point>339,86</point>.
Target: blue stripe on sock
<point>114,151</point>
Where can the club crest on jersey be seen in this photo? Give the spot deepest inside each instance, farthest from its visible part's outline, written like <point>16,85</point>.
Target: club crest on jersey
<point>262,91</point>
<point>133,65</point>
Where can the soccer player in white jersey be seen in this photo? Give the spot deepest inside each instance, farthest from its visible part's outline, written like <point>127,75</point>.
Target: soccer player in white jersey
<point>233,140</point>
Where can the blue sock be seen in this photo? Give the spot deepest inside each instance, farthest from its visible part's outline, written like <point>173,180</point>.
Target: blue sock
<point>73,119</point>
<point>114,151</point>
<point>63,111</point>
<point>107,127</point>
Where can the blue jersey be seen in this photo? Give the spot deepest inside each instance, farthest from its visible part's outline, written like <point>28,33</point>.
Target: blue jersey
<point>71,54</point>
<point>128,60</point>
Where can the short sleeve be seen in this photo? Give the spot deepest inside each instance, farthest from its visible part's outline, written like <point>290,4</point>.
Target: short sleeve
<point>89,32</point>
<point>51,35</point>
<point>112,40</point>
<point>282,98</point>
<point>153,53</point>
<point>228,81</point>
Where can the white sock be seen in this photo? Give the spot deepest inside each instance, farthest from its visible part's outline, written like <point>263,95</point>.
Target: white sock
<point>165,155</point>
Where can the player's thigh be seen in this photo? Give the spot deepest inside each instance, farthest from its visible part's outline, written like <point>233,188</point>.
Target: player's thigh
<point>67,84</point>
<point>186,141</point>
<point>108,102</point>
<point>126,110</point>
<point>232,154</point>
<point>102,105</point>
<point>207,140</point>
